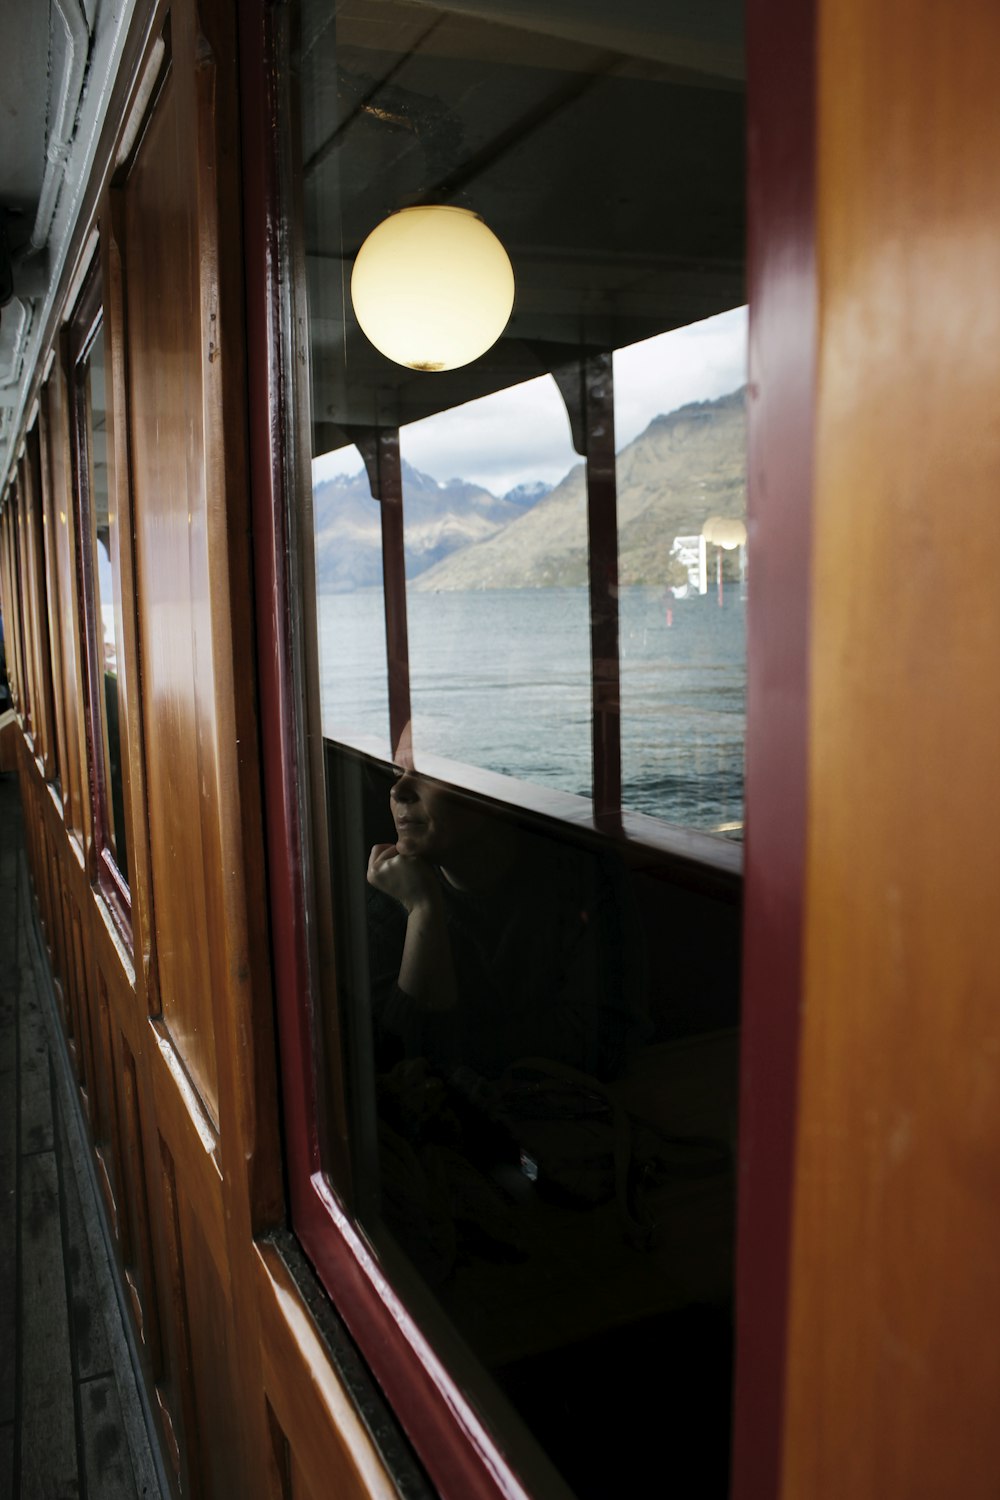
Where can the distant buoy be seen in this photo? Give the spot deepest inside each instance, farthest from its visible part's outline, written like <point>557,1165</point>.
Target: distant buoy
<point>670,617</point>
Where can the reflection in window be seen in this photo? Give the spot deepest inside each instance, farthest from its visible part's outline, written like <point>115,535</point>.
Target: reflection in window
<point>539,1022</point>
<point>681,470</point>
<point>545,1055</point>
<point>99,522</point>
<point>350,602</point>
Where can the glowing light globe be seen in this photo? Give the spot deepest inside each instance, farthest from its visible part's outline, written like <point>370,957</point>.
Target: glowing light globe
<point>725,531</point>
<point>432,287</point>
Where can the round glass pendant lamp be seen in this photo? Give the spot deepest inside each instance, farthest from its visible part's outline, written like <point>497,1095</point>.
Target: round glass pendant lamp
<point>725,531</point>
<point>432,287</point>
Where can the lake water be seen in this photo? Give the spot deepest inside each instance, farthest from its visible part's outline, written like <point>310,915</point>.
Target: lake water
<point>501,679</point>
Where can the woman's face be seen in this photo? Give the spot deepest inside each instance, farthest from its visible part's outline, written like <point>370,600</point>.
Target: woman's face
<point>430,821</point>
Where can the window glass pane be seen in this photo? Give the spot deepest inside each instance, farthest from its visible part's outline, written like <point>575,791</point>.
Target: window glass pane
<point>100,522</point>
<point>499,626</point>
<point>681,438</point>
<point>350,602</point>
<point>539,1021</point>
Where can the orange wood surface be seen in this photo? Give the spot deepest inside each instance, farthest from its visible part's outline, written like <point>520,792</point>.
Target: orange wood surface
<point>8,600</point>
<point>50,534</point>
<point>329,1449</point>
<point>170,516</point>
<point>894,1367</point>
<point>41,668</point>
<point>22,613</point>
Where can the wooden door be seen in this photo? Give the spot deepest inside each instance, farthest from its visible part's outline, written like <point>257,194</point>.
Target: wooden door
<point>175,319</point>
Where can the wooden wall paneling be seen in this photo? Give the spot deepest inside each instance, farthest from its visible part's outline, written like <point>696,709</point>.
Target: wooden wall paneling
<point>39,599</point>
<point>50,862</point>
<point>5,597</point>
<point>74,764</point>
<point>252,1145</point>
<point>33,602</point>
<point>187,1130</point>
<point>50,533</point>
<point>20,615</point>
<point>225,1466</point>
<point>118,1119</point>
<point>56,837</point>
<point>23,624</point>
<point>28,656</point>
<point>107,1147</point>
<point>169,501</point>
<point>12,646</point>
<point>36,851</point>
<point>5,590</point>
<point>42,879</point>
<point>24,687</point>
<point>88,989</point>
<point>80,1053</point>
<point>70,1010</point>
<point>48,874</point>
<point>281,1457</point>
<point>894,1370</point>
<point>330,1449</point>
<point>181,259</point>
<point>10,603</point>
<point>30,827</point>
<point>175,1389</point>
<point>65,979</point>
<point>243,990</point>
<point>137,1241</point>
<point>53,840</point>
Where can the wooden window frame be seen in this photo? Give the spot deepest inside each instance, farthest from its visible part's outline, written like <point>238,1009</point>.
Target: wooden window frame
<point>12,646</point>
<point>41,604</point>
<point>86,322</point>
<point>26,686</point>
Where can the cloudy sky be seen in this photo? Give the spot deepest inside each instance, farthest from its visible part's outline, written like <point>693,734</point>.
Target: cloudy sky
<point>522,434</point>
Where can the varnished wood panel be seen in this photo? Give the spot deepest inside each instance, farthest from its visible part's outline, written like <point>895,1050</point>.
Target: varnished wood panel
<point>106,1130</point>
<point>210,1057</point>
<point>137,1236</point>
<point>894,1370</point>
<point>224,1466</point>
<point>50,535</point>
<point>38,602</point>
<point>6,598</point>
<point>326,1445</point>
<point>174,1390</point>
<point>79,1050</point>
<point>21,617</point>
<point>170,499</point>
<point>28,605</point>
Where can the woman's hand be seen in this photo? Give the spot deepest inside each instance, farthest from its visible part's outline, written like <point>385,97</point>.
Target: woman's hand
<point>405,877</point>
<point>426,972</point>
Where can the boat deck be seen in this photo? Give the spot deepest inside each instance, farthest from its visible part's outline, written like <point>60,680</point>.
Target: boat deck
<point>72,1418</point>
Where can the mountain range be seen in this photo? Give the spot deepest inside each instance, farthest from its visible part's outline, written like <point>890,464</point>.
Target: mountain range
<point>684,467</point>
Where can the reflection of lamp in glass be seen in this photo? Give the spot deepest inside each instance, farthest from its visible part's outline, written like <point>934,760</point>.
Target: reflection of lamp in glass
<point>727,532</point>
<point>432,287</point>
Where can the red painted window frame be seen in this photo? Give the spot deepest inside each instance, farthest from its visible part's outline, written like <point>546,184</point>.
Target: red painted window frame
<point>461,1458</point>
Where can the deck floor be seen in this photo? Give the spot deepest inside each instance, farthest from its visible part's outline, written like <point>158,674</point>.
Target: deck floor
<point>72,1420</point>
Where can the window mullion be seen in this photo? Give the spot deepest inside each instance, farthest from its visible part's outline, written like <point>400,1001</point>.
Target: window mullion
<point>379,449</point>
